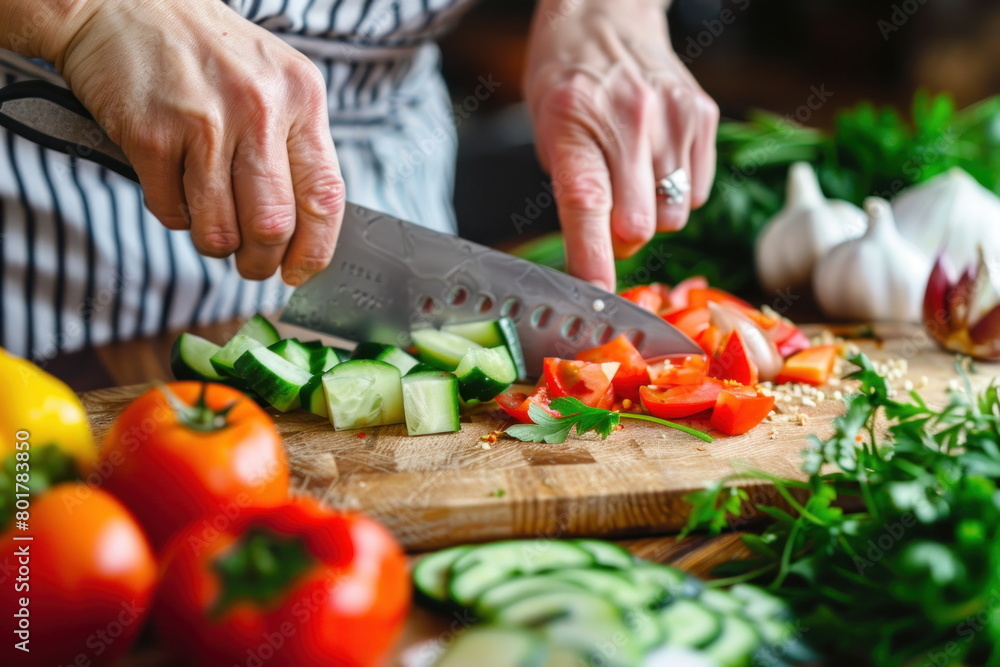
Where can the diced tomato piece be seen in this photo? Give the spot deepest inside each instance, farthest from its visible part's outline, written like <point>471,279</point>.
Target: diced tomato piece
<point>631,371</point>
<point>709,340</point>
<point>687,399</point>
<point>733,362</point>
<point>679,294</point>
<point>691,321</point>
<point>700,296</point>
<point>589,382</point>
<point>735,413</point>
<point>651,297</point>
<point>788,338</point>
<point>678,369</point>
<point>516,404</point>
<point>811,366</point>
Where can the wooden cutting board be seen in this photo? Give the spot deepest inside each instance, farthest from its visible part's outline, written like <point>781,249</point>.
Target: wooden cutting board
<point>439,490</point>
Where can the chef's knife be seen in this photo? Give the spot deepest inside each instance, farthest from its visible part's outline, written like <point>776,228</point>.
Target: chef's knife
<point>389,276</point>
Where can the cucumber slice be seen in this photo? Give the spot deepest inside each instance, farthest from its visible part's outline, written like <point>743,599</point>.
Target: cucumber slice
<point>493,333</point>
<point>496,647</point>
<point>486,566</point>
<point>323,359</point>
<point>485,372</point>
<point>260,328</point>
<point>721,602</point>
<point>191,358</point>
<point>644,628</point>
<point>390,354</point>
<point>278,381</point>
<point>431,574</point>
<point>430,403</point>
<point>488,605</point>
<point>663,584</point>
<point>688,623</point>
<point>735,644</point>
<point>223,361</point>
<point>313,398</point>
<point>440,349</point>
<point>294,352</point>
<point>363,392</point>
<point>607,554</point>
<point>609,584</point>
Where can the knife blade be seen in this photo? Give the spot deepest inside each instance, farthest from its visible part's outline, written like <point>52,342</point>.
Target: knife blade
<point>389,276</point>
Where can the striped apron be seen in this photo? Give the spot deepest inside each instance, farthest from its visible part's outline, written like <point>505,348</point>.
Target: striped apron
<point>82,262</point>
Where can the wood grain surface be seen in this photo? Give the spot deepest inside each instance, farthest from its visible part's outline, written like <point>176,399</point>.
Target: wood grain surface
<point>435,491</point>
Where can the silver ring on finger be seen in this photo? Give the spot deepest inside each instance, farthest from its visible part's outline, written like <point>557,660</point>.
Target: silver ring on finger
<point>674,187</point>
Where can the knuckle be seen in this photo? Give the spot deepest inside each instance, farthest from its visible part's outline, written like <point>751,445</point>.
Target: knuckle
<point>586,192</point>
<point>325,195</point>
<point>635,227</point>
<point>709,108</point>
<point>217,242</point>
<point>272,225</point>
<point>569,97</point>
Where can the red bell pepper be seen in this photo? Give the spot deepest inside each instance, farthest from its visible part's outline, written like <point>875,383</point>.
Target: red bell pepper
<point>632,372</point>
<point>735,413</point>
<point>813,366</point>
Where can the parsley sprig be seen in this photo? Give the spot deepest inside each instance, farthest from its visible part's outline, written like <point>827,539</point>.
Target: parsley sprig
<point>889,549</point>
<point>573,412</point>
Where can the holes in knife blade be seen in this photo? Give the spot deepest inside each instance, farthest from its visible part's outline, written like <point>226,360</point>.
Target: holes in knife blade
<point>636,336</point>
<point>603,333</point>
<point>456,296</point>
<point>541,317</point>
<point>425,305</point>
<point>484,304</point>
<point>571,327</point>
<point>511,308</point>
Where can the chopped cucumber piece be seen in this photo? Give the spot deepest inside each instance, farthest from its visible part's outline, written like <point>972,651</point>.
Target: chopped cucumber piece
<point>691,624</point>
<point>313,398</point>
<point>607,554</point>
<point>496,647</point>
<point>293,351</point>
<point>430,403</point>
<point>421,367</point>
<point>390,354</point>
<point>278,381</point>
<point>363,392</point>
<point>260,328</point>
<point>191,358</point>
<point>493,333</point>
<point>484,373</point>
<point>223,361</point>
<point>609,584</point>
<point>440,349</point>
<point>431,574</point>
<point>324,358</point>
<point>663,584</point>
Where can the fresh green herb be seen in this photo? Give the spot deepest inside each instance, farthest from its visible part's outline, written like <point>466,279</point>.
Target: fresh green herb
<point>889,550</point>
<point>573,412</point>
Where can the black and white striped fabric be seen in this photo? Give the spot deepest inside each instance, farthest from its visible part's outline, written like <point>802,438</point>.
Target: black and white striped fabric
<point>82,262</point>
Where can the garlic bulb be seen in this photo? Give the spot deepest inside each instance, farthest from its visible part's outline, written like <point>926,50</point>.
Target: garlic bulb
<point>962,312</point>
<point>880,276</point>
<point>809,225</point>
<point>950,212</point>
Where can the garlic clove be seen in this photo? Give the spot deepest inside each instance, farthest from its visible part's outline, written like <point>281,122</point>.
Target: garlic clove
<point>987,328</point>
<point>760,348</point>
<point>852,219</point>
<point>937,296</point>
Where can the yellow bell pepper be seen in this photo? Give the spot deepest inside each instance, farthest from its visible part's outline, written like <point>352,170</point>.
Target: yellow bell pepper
<point>45,407</point>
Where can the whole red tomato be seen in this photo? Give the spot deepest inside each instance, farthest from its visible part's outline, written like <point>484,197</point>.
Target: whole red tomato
<point>193,451</point>
<point>288,586</point>
<point>77,592</point>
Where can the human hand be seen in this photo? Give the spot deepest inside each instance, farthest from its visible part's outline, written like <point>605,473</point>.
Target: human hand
<point>615,111</point>
<point>225,124</point>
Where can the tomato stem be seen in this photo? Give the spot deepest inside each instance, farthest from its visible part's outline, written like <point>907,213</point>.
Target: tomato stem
<point>663,422</point>
<point>198,417</point>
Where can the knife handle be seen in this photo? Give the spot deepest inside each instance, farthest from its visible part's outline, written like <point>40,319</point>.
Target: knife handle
<point>52,116</point>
